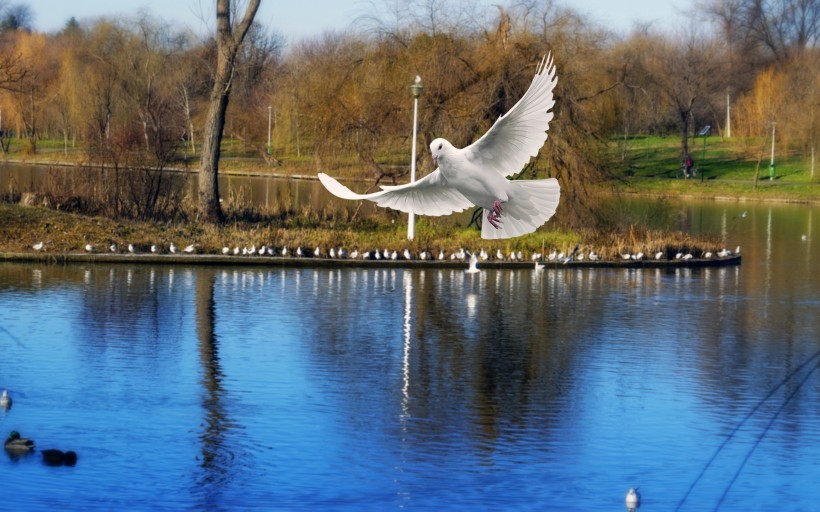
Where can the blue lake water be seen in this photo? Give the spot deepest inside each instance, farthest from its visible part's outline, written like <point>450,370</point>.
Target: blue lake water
<point>270,388</point>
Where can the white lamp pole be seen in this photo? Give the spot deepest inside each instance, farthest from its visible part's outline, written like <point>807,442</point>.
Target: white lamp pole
<point>771,163</point>
<point>415,89</point>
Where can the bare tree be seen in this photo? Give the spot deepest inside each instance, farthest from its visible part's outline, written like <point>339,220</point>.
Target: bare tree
<point>229,38</point>
<point>780,29</point>
<point>685,72</point>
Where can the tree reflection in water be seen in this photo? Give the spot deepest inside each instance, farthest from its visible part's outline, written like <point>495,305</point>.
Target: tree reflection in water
<point>218,460</point>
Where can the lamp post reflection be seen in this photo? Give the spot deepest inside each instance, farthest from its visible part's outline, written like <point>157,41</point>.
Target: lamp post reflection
<point>408,308</point>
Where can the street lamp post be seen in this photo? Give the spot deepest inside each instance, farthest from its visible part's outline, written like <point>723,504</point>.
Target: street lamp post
<point>415,89</point>
<point>771,163</point>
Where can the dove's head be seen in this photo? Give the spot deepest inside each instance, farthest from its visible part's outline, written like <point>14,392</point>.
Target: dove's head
<point>439,148</point>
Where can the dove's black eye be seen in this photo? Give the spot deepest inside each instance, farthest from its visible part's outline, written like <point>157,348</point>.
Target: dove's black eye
<point>439,146</point>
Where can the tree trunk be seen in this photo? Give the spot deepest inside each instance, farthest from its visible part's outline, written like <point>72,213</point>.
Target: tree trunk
<point>684,140</point>
<point>228,42</point>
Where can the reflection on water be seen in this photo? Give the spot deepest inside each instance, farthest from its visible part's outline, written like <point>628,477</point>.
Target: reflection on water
<point>378,389</point>
<point>219,434</point>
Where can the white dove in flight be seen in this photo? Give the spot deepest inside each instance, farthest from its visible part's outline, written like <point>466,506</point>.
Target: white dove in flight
<point>476,174</point>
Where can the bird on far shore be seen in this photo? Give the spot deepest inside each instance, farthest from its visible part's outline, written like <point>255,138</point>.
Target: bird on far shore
<point>473,268</point>
<point>39,246</point>
<point>89,248</point>
<point>131,248</point>
<point>154,249</point>
<point>189,249</point>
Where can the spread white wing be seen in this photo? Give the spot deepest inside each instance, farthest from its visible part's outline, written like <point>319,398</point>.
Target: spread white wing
<point>430,195</point>
<point>518,135</point>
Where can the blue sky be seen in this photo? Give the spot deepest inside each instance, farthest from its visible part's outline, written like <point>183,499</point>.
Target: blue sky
<point>311,17</point>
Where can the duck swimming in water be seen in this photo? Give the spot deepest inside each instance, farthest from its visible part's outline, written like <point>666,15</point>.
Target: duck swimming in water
<point>59,458</point>
<point>16,444</point>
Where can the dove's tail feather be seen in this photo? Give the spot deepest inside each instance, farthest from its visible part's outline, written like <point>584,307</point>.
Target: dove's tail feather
<point>531,203</point>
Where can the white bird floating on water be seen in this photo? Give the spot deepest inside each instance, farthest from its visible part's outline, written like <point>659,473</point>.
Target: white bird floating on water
<point>633,499</point>
<point>5,400</point>
<point>476,174</point>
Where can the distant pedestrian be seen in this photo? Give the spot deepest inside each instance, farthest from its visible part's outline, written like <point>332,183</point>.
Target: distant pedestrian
<point>688,164</point>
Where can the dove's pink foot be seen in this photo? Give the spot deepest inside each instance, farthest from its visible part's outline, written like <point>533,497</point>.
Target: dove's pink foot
<point>494,216</point>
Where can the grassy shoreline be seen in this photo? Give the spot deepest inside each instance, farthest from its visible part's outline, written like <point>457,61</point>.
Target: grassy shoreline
<point>21,227</point>
<point>649,171</point>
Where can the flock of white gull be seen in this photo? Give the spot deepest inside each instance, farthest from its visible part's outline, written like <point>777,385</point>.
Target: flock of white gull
<point>387,254</point>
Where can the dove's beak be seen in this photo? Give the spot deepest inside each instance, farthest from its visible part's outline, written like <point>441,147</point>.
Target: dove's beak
<point>435,160</point>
